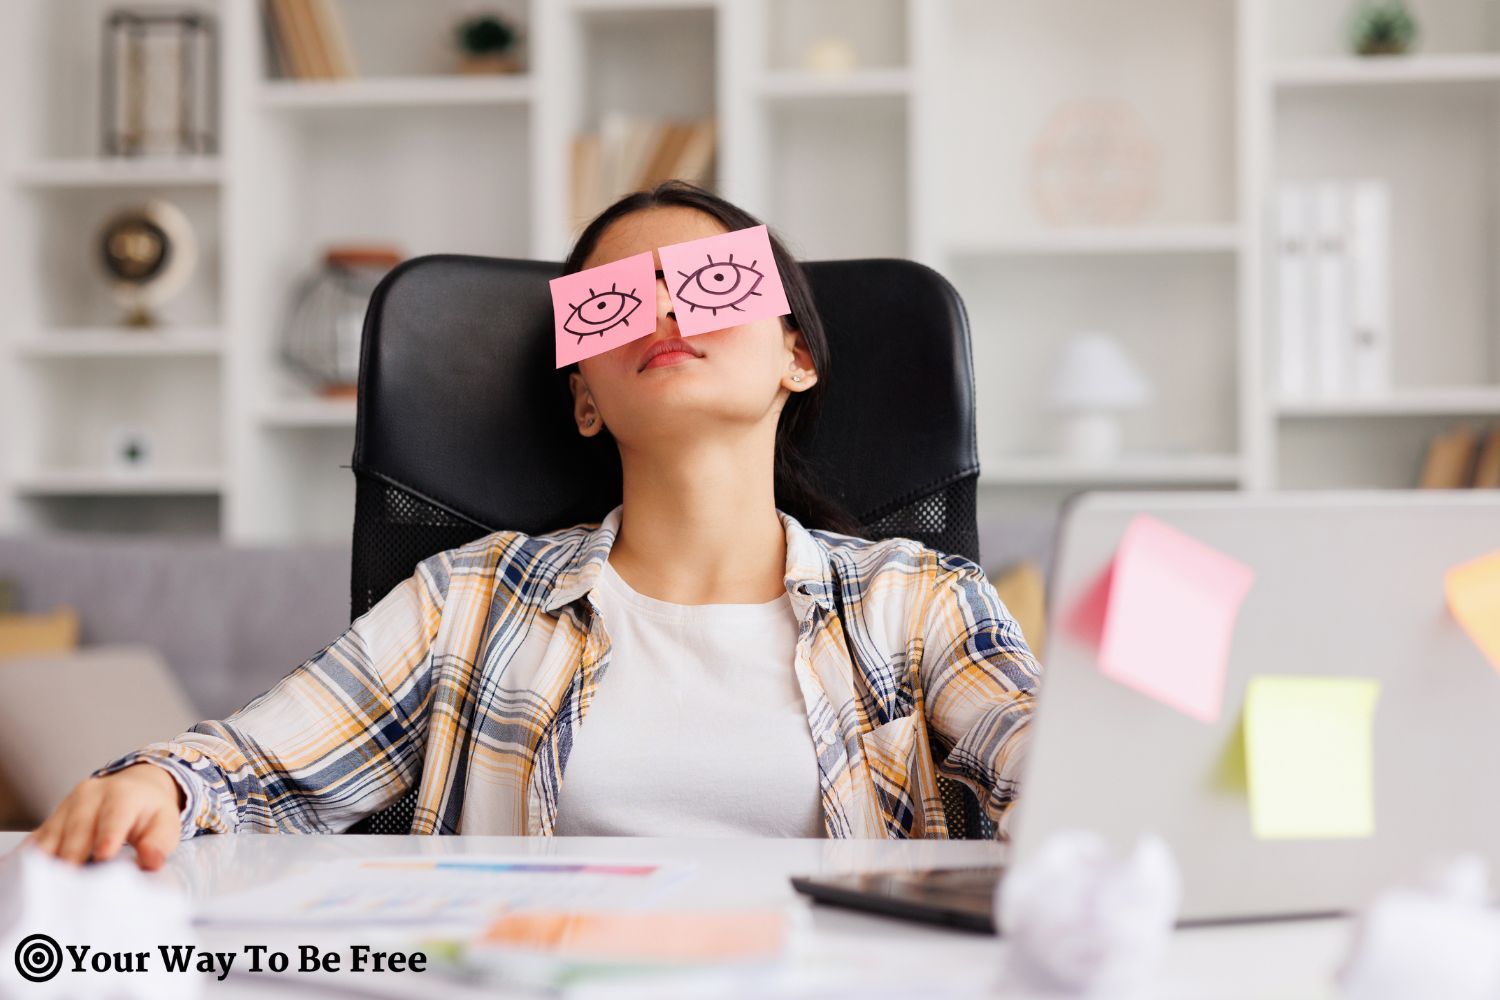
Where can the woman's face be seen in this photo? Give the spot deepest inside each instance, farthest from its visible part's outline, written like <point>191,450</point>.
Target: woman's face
<point>740,376</point>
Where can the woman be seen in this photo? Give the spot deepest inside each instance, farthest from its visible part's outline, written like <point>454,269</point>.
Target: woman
<point>732,703</point>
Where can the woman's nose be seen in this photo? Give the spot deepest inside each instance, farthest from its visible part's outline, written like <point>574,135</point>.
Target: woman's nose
<point>664,299</point>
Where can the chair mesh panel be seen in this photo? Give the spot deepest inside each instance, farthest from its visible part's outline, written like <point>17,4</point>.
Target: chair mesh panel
<point>394,530</point>
<point>945,520</point>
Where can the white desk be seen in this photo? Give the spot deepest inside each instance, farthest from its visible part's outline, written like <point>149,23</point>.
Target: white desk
<point>1284,961</point>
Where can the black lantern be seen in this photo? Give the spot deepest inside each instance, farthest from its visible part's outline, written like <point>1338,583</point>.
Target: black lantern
<point>159,83</point>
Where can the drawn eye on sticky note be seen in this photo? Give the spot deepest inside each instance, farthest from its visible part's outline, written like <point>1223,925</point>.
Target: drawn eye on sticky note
<point>599,309</point>
<point>725,280</point>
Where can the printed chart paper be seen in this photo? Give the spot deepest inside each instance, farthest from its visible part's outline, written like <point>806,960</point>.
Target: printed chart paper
<point>453,891</point>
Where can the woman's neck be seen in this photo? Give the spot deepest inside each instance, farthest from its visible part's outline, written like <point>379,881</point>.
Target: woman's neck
<point>699,526</point>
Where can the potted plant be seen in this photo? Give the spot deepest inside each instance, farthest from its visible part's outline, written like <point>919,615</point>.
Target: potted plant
<point>1382,27</point>
<point>487,44</point>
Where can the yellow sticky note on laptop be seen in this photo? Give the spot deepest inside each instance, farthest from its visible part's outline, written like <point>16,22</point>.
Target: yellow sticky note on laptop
<point>1309,751</point>
<point>1474,598</point>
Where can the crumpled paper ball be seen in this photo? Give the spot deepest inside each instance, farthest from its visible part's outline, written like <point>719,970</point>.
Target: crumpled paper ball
<point>48,905</point>
<point>1436,939</point>
<point>1081,920</point>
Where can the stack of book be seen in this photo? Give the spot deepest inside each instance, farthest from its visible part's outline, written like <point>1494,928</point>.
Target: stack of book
<point>628,154</point>
<point>1463,458</point>
<point>308,40</point>
<point>1333,288</point>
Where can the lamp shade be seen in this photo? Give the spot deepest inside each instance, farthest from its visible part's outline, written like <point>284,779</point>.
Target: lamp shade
<point>1094,373</point>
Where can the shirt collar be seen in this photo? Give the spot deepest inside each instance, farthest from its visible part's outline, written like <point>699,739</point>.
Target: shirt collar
<point>808,576</point>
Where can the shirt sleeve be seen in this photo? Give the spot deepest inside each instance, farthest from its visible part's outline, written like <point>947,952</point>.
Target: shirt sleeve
<point>336,739</point>
<point>979,682</point>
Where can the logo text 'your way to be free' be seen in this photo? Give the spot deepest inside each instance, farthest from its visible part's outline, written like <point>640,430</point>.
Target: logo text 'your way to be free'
<point>40,958</point>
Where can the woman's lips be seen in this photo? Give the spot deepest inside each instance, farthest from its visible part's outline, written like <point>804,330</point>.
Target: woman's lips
<point>670,358</point>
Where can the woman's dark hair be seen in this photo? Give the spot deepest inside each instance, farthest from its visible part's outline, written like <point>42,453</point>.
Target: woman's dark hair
<point>796,492</point>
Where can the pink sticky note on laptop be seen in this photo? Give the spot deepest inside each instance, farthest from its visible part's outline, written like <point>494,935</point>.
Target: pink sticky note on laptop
<point>1170,618</point>
<point>723,280</point>
<point>599,309</point>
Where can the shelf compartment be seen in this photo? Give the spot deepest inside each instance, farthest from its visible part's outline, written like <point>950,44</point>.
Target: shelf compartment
<point>1446,69</point>
<point>119,172</point>
<point>874,31</point>
<point>1027,470</point>
<point>1354,452</point>
<point>309,412</point>
<point>1013,70</point>
<point>1440,174</point>
<point>179,515</point>
<point>1108,240</point>
<point>165,481</point>
<point>395,92</point>
<point>60,227</point>
<point>78,413</point>
<point>113,342</point>
<point>1175,317</point>
<point>642,6</point>
<point>1435,401</point>
<point>839,177</point>
<point>785,85</point>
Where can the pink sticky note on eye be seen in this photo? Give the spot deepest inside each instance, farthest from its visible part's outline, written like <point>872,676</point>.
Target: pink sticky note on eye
<point>723,280</point>
<point>1170,618</point>
<point>599,309</point>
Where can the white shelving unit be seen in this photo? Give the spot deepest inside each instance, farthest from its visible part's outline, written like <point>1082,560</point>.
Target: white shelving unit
<point>1426,124</point>
<point>924,149</point>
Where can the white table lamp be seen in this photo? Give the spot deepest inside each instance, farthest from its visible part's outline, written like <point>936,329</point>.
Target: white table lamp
<point>1095,381</point>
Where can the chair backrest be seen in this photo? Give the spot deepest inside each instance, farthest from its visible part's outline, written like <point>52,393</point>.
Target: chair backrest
<point>463,426</point>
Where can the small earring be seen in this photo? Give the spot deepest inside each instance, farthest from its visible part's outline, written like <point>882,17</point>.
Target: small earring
<point>796,378</point>
<point>589,422</point>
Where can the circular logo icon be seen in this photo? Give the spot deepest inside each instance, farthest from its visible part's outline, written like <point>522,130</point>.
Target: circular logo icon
<point>38,958</point>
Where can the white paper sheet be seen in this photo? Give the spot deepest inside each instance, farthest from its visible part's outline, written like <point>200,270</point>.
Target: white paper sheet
<point>451,892</point>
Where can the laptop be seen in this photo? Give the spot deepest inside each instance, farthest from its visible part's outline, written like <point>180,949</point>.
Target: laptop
<point>1346,585</point>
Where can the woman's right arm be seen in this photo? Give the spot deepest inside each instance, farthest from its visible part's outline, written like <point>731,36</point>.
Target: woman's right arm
<point>338,738</point>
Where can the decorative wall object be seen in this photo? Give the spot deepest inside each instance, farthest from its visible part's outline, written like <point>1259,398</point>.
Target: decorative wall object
<point>321,337</point>
<point>831,55</point>
<point>1094,163</point>
<point>129,449</point>
<point>1095,381</point>
<point>159,83</point>
<point>1381,28</point>
<point>146,253</point>
<point>487,43</point>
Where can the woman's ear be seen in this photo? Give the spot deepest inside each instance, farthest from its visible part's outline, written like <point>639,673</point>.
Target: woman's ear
<point>585,413</point>
<point>800,374</point>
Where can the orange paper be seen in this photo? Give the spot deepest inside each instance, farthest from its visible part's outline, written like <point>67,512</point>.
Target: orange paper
<point>667,936</point>
<point>1474,598</point>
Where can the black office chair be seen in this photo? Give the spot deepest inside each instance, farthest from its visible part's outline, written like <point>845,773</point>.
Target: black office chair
<point>464,427</point>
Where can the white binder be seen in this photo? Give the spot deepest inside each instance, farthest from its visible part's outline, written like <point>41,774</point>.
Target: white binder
<point>1370,287</point>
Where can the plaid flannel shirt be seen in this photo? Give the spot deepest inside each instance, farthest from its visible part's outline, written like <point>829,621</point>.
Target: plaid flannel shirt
<point>470,679</point>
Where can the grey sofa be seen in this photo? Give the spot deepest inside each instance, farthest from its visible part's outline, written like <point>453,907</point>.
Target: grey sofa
<point>228,620</point>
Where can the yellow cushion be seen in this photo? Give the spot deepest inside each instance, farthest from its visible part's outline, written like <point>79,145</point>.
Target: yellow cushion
<point>27,635</point>
<point>1024,594</point>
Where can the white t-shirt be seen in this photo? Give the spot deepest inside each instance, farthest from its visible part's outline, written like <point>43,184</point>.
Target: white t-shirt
<point>698,728</point>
